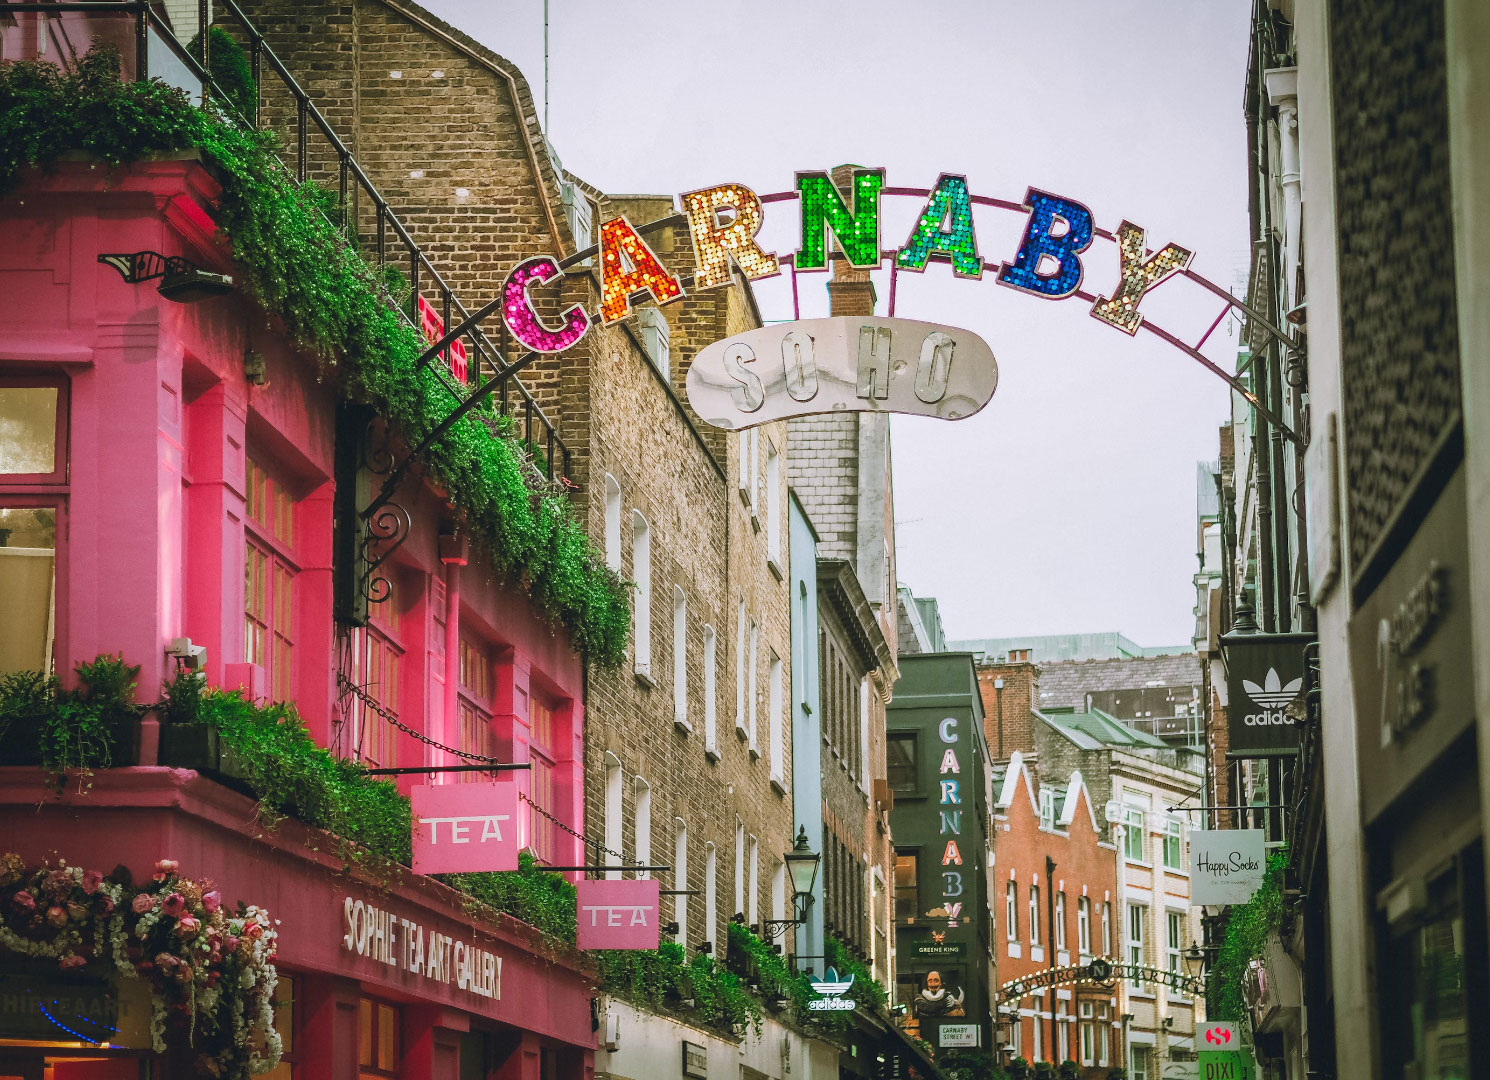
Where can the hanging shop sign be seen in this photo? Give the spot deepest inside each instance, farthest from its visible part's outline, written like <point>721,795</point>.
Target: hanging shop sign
<point>1410,655</point>
<point>464,828</point>
<point>934,948</point>
<point>1226,866</point>
<point>618,914</point>
<point>1100,972</point>
<point>852,364</point>
<point>388,938</point>
<point>1264,682</point>
<point>832,988</point>
<point>433,328</point>
<point>39,1004</point>
<point>695,1061</point>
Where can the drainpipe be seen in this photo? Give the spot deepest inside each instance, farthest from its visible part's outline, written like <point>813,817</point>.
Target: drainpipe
<point>998,696</point>
<point>453,555</point>
<point>1050,944</point>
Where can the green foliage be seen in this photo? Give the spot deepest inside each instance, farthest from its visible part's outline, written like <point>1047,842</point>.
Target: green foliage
<point>1069,1070</point>
<point>1019,1069</point>
<point>540,899</point>
<point>866,990</point>
<point>1246,937</point>
<point>230,70</point>
<point>87,728</point>
<point>971,1065</point>
<point>292,776</point>
<point>665,979</point>
<point>1044,1070</point>
<point>297,264</point>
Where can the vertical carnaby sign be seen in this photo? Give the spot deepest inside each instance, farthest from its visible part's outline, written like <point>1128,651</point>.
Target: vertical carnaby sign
<point>463,828</point>
<point>618,914</point>
<point>1264,675</point>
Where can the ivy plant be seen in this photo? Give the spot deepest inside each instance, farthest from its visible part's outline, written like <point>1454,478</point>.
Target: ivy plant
<point>1247,930</point>
<point>304,270</point>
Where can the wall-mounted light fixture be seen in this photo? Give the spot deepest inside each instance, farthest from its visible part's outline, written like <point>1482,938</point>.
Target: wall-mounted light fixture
<point>181,279</point>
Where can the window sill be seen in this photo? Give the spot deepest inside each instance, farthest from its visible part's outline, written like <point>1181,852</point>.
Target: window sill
<point>773,565</point>
<point>1062,957</point>
<point>755,754</point>
<point>755,520</point>
<point>776,787</point>
<point>1176,871</point>
<point>741,734</point>
<point>1016,950</point>
<point>711,752</point>
<point>1037,953</point>
<point>643,674</point>
<point>682,724</point>
<point>745,495</point>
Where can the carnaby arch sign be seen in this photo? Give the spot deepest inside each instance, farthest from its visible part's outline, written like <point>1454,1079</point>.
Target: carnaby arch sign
<point>857,364</point>
<point>1100,972</point>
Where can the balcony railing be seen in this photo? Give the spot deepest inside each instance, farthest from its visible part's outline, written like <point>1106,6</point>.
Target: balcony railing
<point>313,152</point>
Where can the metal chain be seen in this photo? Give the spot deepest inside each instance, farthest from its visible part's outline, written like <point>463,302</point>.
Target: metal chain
<point>347,686</point>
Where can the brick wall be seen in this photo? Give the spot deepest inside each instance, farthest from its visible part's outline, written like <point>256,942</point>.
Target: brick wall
<point>452,141</point>
<point>1021,696</point>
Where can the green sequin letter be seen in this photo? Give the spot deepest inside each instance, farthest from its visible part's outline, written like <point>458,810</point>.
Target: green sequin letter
<point>857,232</point>
<point>944,228</point>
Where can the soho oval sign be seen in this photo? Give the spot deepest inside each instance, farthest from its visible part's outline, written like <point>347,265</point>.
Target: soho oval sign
<point>842,364</point>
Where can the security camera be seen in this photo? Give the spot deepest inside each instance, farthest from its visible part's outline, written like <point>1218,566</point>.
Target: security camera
<point>192,657</point>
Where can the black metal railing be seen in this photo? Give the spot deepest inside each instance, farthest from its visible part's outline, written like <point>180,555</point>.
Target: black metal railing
<point>389,238</point>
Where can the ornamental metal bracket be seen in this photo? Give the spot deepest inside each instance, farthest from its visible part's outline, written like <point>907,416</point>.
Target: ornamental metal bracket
<point>1104,973</point>
<point>387,527</point>
<point>137,266</point>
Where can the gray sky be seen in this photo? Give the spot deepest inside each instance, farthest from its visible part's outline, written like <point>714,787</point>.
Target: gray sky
<point>1068,504</point>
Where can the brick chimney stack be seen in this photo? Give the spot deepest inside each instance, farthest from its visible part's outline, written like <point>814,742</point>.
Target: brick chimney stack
<point>850,291</point>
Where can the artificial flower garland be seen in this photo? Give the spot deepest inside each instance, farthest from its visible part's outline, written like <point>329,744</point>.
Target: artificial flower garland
<point>210,971</point>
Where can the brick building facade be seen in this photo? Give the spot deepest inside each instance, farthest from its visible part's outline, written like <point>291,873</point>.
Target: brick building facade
<point>448,131</point>
<point>1055,899</point>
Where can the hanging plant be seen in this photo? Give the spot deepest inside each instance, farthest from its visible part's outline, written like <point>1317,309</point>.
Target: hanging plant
<point>210,970</point>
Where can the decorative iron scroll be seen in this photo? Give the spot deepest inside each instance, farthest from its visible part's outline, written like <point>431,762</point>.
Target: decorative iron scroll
<point>1101,972</point>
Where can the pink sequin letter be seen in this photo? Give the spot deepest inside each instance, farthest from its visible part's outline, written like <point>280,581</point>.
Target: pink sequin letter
<point>523,321</point>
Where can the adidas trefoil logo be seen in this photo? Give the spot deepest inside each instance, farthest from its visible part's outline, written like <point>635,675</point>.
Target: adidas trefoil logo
<point>1273,693</point>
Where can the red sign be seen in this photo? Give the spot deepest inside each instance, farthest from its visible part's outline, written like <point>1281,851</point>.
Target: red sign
<point>434,329</point>
<point>460,828</point>
<point>619,914</point>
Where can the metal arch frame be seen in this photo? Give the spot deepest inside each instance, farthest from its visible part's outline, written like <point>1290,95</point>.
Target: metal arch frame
<point>1103,973</point>
<point>1192,351</point>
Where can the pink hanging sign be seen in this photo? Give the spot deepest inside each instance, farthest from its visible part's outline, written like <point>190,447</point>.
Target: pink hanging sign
<point>461,828</point>
<point>619,914</point>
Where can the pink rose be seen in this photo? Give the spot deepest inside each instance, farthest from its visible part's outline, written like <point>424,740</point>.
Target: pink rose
<point>77,910</point>
<point>253,930</point>
<point>143,903</point>
<point>184,972</point>
<point>165,961</point>
<point>167,866</point>
<point>173,905</point>
<point>104,904</point>
<point>212,901</point>
<point>57,916</point>
<point>92,879</point>
<point>188,926</point>
<point>230,944</point>
<point>70,961</point>
<point>24,901</point>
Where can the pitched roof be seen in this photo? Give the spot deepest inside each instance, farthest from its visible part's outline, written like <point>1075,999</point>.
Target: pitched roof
<point>1106,730</point>
<point>1065,683</point>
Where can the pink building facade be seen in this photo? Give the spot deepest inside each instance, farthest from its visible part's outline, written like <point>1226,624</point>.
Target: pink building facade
<point>169,471</point>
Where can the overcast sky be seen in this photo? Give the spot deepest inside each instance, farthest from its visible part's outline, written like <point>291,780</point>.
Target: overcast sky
<point>1068,504</point>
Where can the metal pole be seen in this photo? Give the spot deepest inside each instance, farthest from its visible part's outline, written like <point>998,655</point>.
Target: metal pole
<point>545,68</point>
<point>1050,942</point>
<point>998,697</point>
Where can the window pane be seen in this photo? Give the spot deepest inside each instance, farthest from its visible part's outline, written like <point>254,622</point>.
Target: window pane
<point>387,1032</point>
<point>28,429</point>
<point>907,894</point>
<point>28,550</point>
<point>365,1033</point>
<point>900,753</point>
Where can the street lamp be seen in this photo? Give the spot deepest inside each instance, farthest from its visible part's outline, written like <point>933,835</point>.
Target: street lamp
<point>1196,959</point>
<point>801,867</point>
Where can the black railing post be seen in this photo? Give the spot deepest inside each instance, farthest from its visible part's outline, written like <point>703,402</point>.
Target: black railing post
<point>548,455</point>
<point>302,106</point>
<point>382,235</point>
<point>204,48</point>
<point>255,67</point>
<point>346,158</point>
<point>142,43</point>
<point>414,283</point>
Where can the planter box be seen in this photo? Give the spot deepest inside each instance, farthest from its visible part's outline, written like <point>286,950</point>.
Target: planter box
<point>200,747</point>
<point>20,742</point>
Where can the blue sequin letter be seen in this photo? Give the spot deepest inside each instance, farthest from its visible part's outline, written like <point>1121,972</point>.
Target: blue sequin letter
<point>1049,260</point>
